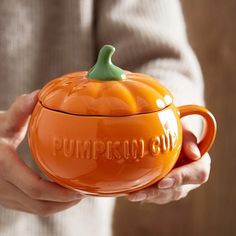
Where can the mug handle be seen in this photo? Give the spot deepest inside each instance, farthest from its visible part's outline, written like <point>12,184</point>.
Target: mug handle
<point>210,127</point>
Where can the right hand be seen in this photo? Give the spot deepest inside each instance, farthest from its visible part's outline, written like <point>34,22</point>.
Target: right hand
<point>21,188</point>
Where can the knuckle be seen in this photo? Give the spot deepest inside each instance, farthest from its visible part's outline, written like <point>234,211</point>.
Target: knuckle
<point>178,177</point>
<point>35,192</point>
<point>177,195</point>
<point>152,193</point>
<point>203,176</point>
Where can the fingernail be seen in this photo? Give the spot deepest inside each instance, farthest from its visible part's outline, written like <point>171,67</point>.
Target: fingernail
<point>166,183</point>
<point>138,197</point>
<point>194,149</point>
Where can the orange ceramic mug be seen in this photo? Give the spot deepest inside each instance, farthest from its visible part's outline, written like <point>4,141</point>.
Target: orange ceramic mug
<point>109,132</point>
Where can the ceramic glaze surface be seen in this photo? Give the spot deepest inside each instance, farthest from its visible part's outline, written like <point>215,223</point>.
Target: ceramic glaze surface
<point>108,131</point>
<point>89,154</point>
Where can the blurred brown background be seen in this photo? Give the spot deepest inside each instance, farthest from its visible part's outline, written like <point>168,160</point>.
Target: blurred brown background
<point>210,210</point>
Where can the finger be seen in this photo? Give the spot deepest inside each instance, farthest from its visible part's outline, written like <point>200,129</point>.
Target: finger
<point>162,196</point>
<point>14,170</point>
<point>165,196</point>
<point>15,206</point>
<point>19,112</point>
<point>190,148</point>
<point>196,172</point>
<point>14,198</point>
<point>47,208</point>
<point>152,194</point>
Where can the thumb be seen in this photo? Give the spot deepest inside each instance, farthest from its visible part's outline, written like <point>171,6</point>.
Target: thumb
<point>190,147</point>
<point>19,112</point>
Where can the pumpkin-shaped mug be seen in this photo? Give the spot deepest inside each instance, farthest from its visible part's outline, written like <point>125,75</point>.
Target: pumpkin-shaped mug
<point>108,131</point>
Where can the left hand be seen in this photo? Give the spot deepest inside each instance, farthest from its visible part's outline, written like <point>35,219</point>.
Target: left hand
<point>181,180</point>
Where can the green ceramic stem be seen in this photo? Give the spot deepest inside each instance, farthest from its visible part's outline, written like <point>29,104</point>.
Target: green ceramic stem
<point>104,69</point>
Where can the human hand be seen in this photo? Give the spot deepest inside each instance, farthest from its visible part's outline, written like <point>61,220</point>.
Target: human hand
<point>182,179</point>
<point>20,188</point>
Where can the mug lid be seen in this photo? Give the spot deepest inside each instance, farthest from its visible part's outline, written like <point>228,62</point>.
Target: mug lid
<point>105,90</point>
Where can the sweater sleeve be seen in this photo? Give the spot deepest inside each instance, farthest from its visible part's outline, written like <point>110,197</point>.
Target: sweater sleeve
<point>150,37</point>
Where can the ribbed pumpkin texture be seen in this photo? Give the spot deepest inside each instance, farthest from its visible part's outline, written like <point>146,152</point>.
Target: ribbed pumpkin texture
<point>75,93</point>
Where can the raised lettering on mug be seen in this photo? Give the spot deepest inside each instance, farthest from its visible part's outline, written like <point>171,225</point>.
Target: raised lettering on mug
<point>116,150</point>
<point>172,137</point>
<point>68,147</point>
<point>126,151</point>
<point>141,148</point>
<point>57,145</point>
<point>109,150</point>
<point>163,143</point>
<point>98,148</point>
<point>154,146</point>
<point>134,149</point>
<point>83,149</point>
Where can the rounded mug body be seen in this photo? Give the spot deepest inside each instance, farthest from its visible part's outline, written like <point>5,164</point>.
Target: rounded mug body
<point>105,155</point>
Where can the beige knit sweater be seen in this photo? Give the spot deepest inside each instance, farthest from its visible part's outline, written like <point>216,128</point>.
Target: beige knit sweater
<point>42,39</point>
